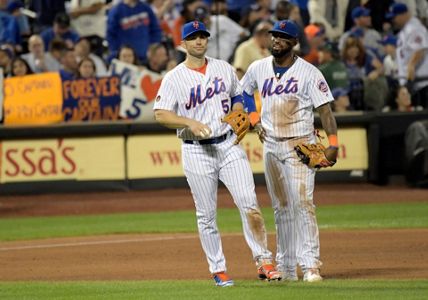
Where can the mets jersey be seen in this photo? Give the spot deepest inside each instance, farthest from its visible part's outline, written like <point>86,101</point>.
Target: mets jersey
<point>413,37</point>
<point>202,97</point>
<point>288,101</point>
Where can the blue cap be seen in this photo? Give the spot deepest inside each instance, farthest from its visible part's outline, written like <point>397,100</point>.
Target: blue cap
<point>396,9</point>
<point>193,27</point>
<point>286,27</point>
<point>388,40</point>
<point>339,92</point>
<point>360,11</point>
<point>14,5</point>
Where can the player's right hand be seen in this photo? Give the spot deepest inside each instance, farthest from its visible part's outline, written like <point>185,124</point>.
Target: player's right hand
<point>258,128</point>
<point>331,155</point>
<point>199,129</point>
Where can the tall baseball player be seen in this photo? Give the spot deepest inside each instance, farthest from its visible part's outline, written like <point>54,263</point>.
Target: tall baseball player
<point>290,88</point>
<point>194,98</point>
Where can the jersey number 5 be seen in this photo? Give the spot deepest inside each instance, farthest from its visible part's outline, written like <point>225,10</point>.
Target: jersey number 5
<point>225,105</point>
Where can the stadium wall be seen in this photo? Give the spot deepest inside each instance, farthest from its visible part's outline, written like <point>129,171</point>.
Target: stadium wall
<point>125,155</point>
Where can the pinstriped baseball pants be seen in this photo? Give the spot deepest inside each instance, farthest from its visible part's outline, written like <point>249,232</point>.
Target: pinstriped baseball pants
<point>203,166</point>
<point>290,184</point>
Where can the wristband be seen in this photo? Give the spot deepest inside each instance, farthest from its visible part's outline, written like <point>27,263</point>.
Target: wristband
<point>332,140</point>
<point>254,118</point>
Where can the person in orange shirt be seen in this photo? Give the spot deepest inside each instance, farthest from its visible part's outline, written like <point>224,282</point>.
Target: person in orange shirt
<point>315,34</point>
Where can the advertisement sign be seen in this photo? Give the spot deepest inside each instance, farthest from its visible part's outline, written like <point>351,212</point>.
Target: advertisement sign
<point>1,94</point>
<point>33,99</point>
<point>159,156</point>
<point>353,150</point>
<point>97,158</point>
<point>154,156</point>
<point>91,99</point>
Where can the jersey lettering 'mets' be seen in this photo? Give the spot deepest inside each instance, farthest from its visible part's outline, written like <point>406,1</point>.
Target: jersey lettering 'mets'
<point>195,93</point>
<point>290,87</point>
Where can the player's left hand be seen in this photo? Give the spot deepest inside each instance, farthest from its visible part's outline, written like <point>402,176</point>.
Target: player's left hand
<point>258,128</point>
<point>239,122</point>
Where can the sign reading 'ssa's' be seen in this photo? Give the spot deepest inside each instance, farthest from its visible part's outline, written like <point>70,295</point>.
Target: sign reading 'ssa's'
<point>62,159</point>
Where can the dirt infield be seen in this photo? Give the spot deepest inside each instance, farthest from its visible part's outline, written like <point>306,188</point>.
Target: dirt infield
<point>398,254</point>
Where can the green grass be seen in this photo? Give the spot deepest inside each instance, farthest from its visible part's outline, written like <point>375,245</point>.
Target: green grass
<point>368,216</point>
<point>204,289</point>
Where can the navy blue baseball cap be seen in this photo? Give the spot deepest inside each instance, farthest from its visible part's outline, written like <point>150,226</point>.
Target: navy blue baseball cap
<point>193,27</point>
<point>388,40</point>
<point>286,27</point>
<point>360,11</point>
<point>396,9</point>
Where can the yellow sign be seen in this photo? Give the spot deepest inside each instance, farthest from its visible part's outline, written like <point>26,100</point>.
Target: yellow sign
<point>159,156</point>
<point>101,158</point>
<point>33,99</point>
<point>154,156</point>
<point>353,150</point>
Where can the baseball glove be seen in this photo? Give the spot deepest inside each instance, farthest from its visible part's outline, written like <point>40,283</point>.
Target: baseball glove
<point>239,122</point>
<point>313,155</point>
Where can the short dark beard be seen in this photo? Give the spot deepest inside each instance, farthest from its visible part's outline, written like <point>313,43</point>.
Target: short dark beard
<point>282,53</point>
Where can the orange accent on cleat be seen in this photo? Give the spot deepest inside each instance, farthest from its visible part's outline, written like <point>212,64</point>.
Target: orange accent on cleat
<point>222,279</point>
<point>269,272</point>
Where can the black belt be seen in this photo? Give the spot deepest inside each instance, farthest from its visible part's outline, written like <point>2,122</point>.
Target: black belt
<point>282,139</point>
<point>216,140</point>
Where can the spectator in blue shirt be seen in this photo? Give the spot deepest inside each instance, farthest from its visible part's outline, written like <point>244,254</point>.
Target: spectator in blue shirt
<point>133,23</point>
<point>69,65</point>
<point>60,30</point>
<point>9,28</point>
<point>14,9</point>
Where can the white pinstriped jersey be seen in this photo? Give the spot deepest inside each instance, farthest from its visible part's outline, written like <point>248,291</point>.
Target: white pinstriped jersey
<point>205,98</point>
<point>288,102</point>
<point>413,37</point>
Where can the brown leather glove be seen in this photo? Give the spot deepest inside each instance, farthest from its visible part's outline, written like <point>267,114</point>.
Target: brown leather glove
<point>239,122</point>
<point>313,155</point>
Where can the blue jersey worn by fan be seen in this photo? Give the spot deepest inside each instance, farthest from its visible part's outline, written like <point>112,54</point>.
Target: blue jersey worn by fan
<point>134,25</point>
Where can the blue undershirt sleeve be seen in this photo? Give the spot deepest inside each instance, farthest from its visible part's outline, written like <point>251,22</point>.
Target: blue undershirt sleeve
<point>237,99</point>
<point>249,103</point>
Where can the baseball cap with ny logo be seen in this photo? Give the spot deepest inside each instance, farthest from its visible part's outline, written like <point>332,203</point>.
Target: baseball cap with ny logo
<point>193,27</point>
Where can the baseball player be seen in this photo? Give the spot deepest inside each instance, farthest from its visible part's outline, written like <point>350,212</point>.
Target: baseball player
<point>290,88</point>
<point>193,98</point>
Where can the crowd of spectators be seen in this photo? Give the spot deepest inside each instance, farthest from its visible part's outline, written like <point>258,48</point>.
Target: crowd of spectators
<point>374,54</point>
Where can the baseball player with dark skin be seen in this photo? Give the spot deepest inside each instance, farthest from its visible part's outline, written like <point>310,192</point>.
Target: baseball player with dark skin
<point>290,89</point>
<point>194,98</point>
